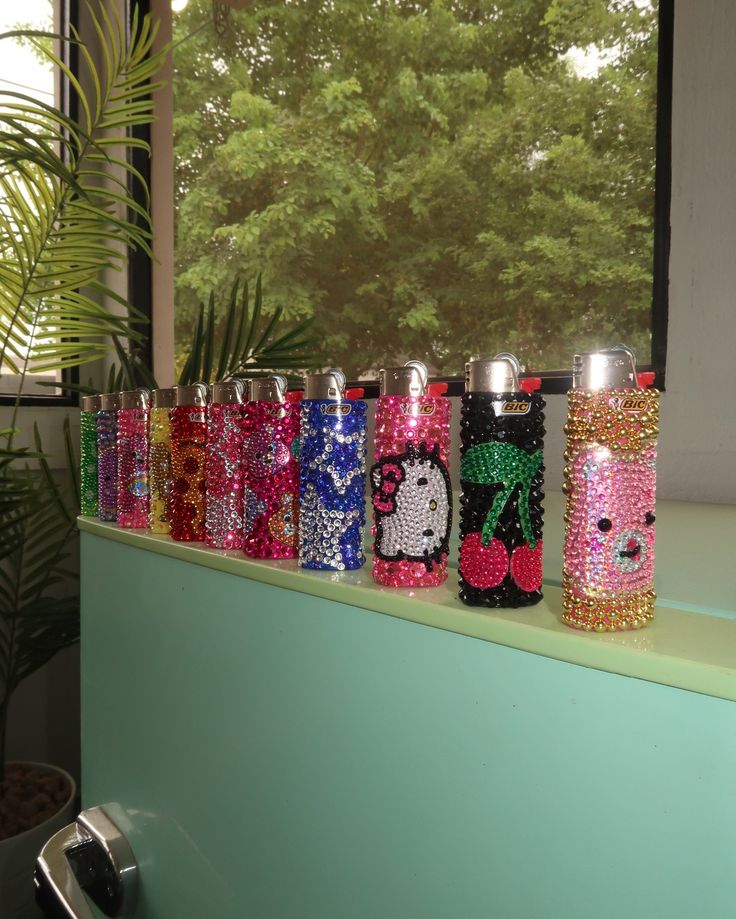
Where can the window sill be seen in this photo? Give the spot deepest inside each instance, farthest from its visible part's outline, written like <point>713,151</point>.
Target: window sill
<point>681,648</point>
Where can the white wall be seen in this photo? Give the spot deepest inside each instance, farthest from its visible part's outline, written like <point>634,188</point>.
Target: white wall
<point>697,447</point>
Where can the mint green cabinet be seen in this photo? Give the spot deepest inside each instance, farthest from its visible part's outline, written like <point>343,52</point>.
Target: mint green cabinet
<point>283,756</point>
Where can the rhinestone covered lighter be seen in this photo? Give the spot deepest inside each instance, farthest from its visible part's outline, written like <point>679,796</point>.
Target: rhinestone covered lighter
<point>88,455</point>
<point>132,434</point>
<point>332,474</point>
<point>501,474</point>
<point>188,439</point>
<point>107,456</point>
<point>159,459</point>
<point>612,427</point>
<point>225,420</point>
<point>271,470</point>
<point>410,482</point>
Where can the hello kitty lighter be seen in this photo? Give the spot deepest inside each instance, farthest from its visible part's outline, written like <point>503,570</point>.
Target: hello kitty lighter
<point>610,475</point>
<point>412,497</point>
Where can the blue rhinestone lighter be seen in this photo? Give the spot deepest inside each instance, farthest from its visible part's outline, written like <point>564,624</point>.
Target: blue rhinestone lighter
<point>332,474</point>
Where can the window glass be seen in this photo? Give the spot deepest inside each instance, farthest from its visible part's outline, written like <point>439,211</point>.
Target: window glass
<point>24,69</point>
<point>426,179</point>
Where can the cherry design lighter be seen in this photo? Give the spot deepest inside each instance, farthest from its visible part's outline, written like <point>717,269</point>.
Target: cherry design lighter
<point>412,497</point>
<point>610,475</point>
<point>501,473</point>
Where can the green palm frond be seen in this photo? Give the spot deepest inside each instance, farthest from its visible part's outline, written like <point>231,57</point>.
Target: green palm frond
<point>39,601</point>
<point>248,343</point>
<point>66,213</point>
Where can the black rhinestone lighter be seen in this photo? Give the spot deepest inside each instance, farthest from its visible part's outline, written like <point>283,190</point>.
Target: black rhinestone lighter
<point>501,475</point>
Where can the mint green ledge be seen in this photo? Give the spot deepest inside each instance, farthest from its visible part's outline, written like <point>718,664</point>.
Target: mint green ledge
<point>683,648</point>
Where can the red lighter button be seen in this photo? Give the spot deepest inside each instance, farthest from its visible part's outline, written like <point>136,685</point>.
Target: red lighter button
<point>530,384</point>
<point>357,393</point>
<point>436,389</point>
<point>294,395</point>
<point>645,378</point>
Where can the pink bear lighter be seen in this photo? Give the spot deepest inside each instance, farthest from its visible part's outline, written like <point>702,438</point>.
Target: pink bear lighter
<point>610,481</point>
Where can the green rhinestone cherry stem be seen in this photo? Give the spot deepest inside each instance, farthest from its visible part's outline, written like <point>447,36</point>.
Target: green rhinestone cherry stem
<point>508,466</point>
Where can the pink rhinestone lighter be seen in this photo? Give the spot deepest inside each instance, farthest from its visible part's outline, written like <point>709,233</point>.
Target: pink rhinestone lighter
<point>132,438</point>
<point>412,497</point>
<point>610,473</point>
<point>224,471</point>
<point>271,470</point>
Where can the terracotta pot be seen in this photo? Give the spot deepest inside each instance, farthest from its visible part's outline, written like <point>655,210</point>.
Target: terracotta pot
<point>18,857</point>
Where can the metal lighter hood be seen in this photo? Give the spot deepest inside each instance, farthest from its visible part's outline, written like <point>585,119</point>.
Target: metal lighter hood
<point>163,398</point>
<point>611,368</point>
<point>196,394</point>
<point>499,374</point>
<point>135,398</point>
<point>110,401</point>
<point>326,386</point>
<point>269,389</point>
<point>91,403</point>
<point>409,380</point>
<point>232,392</point>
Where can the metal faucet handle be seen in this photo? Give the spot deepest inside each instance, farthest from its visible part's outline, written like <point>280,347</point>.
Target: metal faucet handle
<point>91,855</point>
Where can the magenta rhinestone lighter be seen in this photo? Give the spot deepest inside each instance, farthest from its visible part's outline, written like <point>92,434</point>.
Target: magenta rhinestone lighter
<point>224,470</point>
<point>271,470</point>
<point>410,481</point>
<point>132,434</point>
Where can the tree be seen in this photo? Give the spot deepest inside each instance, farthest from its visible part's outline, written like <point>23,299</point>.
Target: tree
<point>427,179</point>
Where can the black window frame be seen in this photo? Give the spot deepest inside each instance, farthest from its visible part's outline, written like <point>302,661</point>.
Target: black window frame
<point>554,382</point>
<point>140,265</point>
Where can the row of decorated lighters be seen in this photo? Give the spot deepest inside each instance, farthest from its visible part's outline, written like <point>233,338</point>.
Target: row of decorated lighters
<point>247,465</point>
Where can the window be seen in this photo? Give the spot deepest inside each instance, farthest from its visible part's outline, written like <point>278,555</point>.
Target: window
<point>427,180</point>
<point>23,69</point>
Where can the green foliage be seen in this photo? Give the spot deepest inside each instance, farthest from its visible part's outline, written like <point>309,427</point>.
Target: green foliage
<point>244,342</point>
<point>66,202</point>
<point>239,343</point>
<point>425,179</point>
<point>39,602</point>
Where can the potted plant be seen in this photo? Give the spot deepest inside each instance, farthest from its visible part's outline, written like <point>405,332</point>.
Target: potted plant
<point>65,211</point>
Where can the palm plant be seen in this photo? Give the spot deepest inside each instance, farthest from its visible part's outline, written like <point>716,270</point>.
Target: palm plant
<point>242,342</point>
<point>66,216</point>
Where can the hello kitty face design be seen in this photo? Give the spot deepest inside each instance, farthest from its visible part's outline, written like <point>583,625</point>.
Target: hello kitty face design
<point>263,454</point>
<point>413,506</point>
<point>610,538</point>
